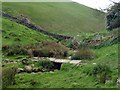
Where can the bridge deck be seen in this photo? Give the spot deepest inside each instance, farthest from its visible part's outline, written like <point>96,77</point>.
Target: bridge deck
<point>59,60</point>
<point>65,61</point>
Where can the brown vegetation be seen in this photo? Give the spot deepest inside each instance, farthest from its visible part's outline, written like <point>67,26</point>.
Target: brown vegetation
<point>83,53</point>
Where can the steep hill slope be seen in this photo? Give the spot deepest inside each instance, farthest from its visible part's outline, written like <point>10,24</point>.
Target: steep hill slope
<point>14,33</point>
<point>64,18</point>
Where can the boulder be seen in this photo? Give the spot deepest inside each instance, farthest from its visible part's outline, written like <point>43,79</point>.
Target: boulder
<point>35,70</point>
<point>39,69</point>
<point>6,60</point>
<point>44,70</point>
<point>28,69</point>
<point>35,57</point>
<point>3,65</point>
<point>118,81</point>
<point>32,65</point>
<point>11,61</point>
<point>24,61</point>
<point>19,70</point>
<point>51,72</point>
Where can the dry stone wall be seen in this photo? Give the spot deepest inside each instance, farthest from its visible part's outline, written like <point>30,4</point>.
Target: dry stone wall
<point>34,27</point>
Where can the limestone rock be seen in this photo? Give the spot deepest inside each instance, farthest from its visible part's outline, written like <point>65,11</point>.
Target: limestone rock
<point>6,60</point>
<point>28,69</point>
<point>19,70</point>
<point>35,70</point>
<point>118,81</point>
<point>24,61</point>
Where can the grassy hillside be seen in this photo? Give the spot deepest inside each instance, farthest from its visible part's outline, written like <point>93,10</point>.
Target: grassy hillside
<point>63,18</point>
<point>108,55</point>
<point>14,33</point>
<point>71,76</point>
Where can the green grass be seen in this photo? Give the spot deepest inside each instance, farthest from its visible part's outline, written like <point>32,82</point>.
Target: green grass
<point>64,18</point>
<point>57,79</point>
<point>71,76</point>
<point>107,55</point>
<point>13,31</point>
<point>74,77</point>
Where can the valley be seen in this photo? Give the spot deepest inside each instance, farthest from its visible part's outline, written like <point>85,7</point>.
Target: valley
<point>57,45</point>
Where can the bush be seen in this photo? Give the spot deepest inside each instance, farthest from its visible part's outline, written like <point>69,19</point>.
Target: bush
<point>17,39</point>
<point>47,64</point>
<point>40,52</point>
<point>8,76</point>
<point>16,50</point>
<point>49,49</point>
<point>73,44</point>
<point>45,49</point>
<point>56,49</point>
<point>101,72</point>
<point>12,34</point>
<point>5,47</point>
<point>36,53</point>
<point>83,53</point>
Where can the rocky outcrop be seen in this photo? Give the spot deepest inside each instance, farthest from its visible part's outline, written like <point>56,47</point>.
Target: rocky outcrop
<point>34,27</point>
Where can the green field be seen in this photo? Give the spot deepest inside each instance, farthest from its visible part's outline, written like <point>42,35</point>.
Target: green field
<point>71,76</point>
<point>14,33</point>
<point>64,18</point>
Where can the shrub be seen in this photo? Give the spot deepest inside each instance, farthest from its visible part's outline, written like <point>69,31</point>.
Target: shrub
<point>5,47</point>
<point>8,76</point>
<point>16,50</point>
<point>35,52</point>
<point>83,53</point>
<point>40,53</point>
<point>47,64</point>
<point>33,82</point>
<point>48,49</point>
<point>73,44</point>
<point>6,37</point>
<point>99,68</point>
<point>45,49</point>
<point>47,52</point>
<point>101,72</point>
<point>17,39</point>
<point>12,34</point>
<point>56,49</point>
